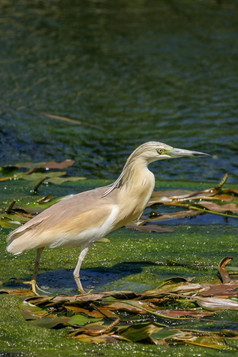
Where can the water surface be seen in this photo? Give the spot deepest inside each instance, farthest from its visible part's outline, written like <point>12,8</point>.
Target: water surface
<point>137,71</point>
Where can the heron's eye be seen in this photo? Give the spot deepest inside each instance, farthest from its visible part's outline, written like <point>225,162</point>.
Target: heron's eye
<point>160,151</point>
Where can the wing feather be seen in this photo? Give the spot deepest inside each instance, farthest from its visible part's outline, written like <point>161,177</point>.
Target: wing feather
<point>67,218</point>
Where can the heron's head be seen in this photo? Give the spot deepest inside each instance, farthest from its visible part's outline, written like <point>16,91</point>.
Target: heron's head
<point>145,154</point>
<point>153,151</point>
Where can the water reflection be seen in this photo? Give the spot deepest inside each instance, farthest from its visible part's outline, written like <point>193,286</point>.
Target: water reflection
<point>137,70</point>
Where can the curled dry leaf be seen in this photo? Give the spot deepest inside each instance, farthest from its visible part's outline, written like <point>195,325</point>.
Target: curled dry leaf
<point>222,270</point>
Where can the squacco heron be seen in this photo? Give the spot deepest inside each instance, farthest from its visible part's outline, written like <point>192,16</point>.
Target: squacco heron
<point>83,218</point>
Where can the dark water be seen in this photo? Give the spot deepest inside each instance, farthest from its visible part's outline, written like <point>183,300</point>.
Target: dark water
<point>129,71</point>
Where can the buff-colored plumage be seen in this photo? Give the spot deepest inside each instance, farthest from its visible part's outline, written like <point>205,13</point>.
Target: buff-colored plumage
<point>81,219</point>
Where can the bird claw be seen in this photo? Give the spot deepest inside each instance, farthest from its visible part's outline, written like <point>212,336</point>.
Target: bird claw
<point>34,286</point>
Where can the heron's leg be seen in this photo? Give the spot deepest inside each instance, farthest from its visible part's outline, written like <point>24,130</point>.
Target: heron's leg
<point>32,282</point>
<point>82,255</point>
<point>36,268</point>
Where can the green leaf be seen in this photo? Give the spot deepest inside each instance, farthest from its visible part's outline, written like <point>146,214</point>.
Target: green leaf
<point>82,320</point>
<point>139,332</point>
<point>210,340</point>
<point>164,333</point>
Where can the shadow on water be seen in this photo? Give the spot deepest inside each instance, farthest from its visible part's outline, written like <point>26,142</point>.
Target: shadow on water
<point>62,282</point>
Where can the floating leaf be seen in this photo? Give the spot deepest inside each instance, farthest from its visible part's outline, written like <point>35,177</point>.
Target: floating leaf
<point>81,320</point>
<point>229,207</point>
<point>42,165</point>
<point>98,312</point>
<point>178,314</point>
<point>134,307</point>
<point>212,303</point>
<point>60,180</point>
<point>51,322</point>
<point>31,312</point>
<point>20,292</point>
<point>172,215</point>
<point>139,332</point>
<point>78,309</point>
<point>202,339</point>
<point>103,338</point>
<point>148,228</point>
<point>224,290</point>
<point>161,337</point>
<point>95,328</point>
<point>58,165</point>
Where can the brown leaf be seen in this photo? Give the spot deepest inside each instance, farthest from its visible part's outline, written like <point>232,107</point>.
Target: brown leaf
<point>230,207</point>
<point>134,307</point>
<point>97,328</point>
<point>106,312</point>
<point>183,313</point>
<point>223,272</point>
<point>76,300</point>
<point>16,292</point>
<point>166,195</point>
<point>148,228</point>
<point>58,165</point>
<point>29,313</point>
<point>173,215</point>
<point>42,165</point>
<point>94,311</point>
<point>219,290</point>
<point>77,309</point>
<point>104,338</point>
<point>231,191</point>
<point>99,296</point>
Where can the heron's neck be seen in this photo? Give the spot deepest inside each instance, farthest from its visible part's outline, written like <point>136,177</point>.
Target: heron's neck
<point>136,176</point>
<point>134,191</point>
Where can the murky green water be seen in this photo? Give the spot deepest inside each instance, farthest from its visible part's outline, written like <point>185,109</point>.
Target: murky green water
<point>126,72</point>
<point>136,70</point>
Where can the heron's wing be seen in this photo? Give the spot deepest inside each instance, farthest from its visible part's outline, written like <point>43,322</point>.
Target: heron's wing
<point>67,218</point>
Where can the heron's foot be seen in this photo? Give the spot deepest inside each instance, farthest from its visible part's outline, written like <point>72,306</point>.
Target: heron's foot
<point>79,285</point>
<point>34,286</point>
<point>81,291</point>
